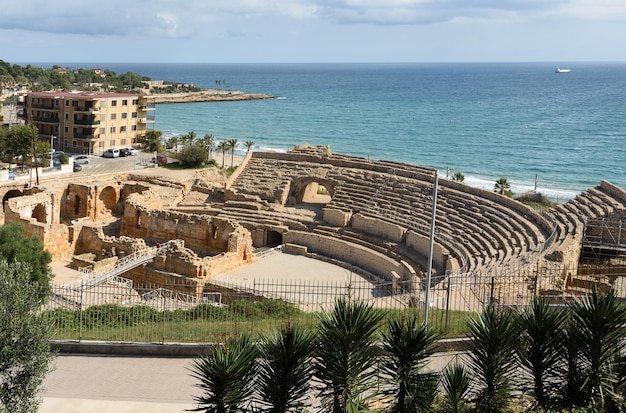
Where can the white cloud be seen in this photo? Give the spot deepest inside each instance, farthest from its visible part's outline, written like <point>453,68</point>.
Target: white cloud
<point>175,18</point>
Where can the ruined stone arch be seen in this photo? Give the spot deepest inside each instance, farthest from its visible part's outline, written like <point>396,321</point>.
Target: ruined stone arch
<point>305,190</point>
<point>40,214</point>
<point>273,238</point>
<point>108,198</point>
<point>13,193</point>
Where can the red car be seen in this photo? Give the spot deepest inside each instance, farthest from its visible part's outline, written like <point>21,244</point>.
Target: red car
<point>160,159</point>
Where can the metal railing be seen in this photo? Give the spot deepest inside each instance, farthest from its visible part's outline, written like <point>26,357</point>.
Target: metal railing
<point>190,311</point>
<point>91,278</point>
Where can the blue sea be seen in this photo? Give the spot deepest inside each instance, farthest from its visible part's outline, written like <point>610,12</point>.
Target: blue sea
<point>486,120</point>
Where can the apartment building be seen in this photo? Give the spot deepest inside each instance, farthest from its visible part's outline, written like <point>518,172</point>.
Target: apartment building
<point>88,122</point>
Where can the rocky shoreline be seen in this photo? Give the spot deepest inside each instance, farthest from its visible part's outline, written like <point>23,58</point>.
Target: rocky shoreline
<point>210,95</point>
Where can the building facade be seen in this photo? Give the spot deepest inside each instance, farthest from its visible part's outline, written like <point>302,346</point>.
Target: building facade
<point>89,122</point>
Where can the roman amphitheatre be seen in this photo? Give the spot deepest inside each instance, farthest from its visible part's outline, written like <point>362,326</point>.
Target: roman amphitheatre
<point>183,231</point>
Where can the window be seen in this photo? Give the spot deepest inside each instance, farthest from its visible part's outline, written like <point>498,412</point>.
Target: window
<point>124,102</point>
<point>135,102</point>
<point>75,103</point>
<point>74,144</point>
<point>67,116</point>
<point>122,129</point>
<point>112,129</point>
<point>134,115</point>
<point>114,103</point>
<point>133,127</point>
<point>124,115</point>
<point>67,103</point>
<point>112,143</point>
<point>103,130</point>
<point>67,130</point>
<point>113,116</point>
<point>122,142</point>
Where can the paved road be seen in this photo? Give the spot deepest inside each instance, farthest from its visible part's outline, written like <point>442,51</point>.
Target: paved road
<point>84,383</point>
<point>99,165</point>
<point>108,384</point>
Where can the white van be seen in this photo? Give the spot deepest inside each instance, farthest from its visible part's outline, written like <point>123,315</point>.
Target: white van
<point>111,153</point>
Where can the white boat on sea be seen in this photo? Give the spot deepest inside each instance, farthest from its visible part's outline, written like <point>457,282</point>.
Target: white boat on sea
<point>559,70</point>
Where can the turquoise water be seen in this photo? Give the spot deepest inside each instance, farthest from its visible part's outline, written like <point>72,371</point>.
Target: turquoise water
<point>485,120</point>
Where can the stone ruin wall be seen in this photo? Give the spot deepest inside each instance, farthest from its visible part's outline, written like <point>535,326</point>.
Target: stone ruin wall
<point>357,255</point>
<point>38,214</point>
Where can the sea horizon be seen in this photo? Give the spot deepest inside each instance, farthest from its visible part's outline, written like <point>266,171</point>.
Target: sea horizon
<point>486,120</point>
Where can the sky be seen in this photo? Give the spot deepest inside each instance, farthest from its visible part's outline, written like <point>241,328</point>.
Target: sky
<point>304,31</point>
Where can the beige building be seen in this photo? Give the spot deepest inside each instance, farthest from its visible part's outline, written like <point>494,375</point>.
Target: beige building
<point>88,122</point>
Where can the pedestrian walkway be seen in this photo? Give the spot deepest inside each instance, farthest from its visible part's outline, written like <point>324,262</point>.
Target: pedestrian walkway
<point>103,384</point>
<point>111,384</point>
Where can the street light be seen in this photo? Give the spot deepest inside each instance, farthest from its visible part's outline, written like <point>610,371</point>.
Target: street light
<point>52,151</point>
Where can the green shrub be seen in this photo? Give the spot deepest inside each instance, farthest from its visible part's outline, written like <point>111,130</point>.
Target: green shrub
<point>192,156</point>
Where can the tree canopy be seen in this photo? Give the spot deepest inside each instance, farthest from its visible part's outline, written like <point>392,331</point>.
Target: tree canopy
<point>17,247</point>
<point>59,78</point>
<point>24,332</point>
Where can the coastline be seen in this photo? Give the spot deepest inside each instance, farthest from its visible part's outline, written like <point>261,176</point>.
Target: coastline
<point>209,95</point>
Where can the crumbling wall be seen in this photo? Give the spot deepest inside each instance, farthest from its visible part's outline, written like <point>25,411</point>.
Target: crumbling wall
<point>358,255</point>
<point>378,227</point>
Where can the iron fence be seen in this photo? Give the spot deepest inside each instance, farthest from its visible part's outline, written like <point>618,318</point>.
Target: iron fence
<point>119,310</point>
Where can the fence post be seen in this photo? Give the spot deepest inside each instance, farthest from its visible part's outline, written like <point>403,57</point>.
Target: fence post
<point>163,318</point>
<point>80,315</point>
<point>447,306</point>
<point>493,282</point>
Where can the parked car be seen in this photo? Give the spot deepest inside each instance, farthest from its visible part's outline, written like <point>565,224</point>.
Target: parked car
<point>160,159</point>
<point>77,167</point>
<point>111,153</point>
<point>81,159</point>
<point>130,151</point>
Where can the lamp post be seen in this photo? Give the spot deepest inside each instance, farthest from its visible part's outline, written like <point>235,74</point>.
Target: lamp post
<point>52,151</point>
<point>430,251</point>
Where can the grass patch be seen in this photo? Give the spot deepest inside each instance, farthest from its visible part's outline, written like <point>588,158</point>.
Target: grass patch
<point>206,323</point>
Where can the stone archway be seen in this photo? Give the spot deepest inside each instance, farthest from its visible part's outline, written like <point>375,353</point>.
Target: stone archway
<point>311,190</point>
<point>273,239</point>
<point>13,193</point>
<point>108,199</point>
<point>40,214</point>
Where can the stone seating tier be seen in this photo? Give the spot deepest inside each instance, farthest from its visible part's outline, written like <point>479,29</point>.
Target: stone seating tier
<point>491,228</point>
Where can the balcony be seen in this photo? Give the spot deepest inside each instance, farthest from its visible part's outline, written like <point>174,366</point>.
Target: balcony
<point>89,122</point>
<point>85,109</point>
<point>46,119</point>
<point>44,106</point>
<point>83,136</point>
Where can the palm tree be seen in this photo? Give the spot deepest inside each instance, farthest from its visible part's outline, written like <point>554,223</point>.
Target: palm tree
<point>232,145</point>
<point>346,356</point>
<point>188,138</point>
<point>209,143</point>
<point>285,371</point>
<point>172,143</point>
<point>455,383</point>
<point>248,145</point>
<point>599,320</point>
<point>152,141</point>
<point>458,176</point>
<point>226,376</point>
<point>494,337</point>
<point>407,345</point>
<point>541,347</point>
<point>223,147</point>
<point>501,186</point>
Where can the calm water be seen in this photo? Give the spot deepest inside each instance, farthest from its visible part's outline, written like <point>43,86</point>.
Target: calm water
<point>484,120</point>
